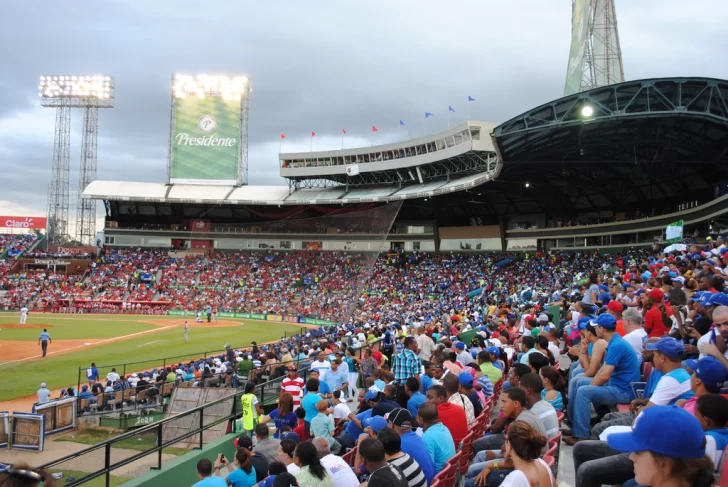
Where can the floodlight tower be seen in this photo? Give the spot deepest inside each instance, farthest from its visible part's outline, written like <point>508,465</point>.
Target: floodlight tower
<point>64,93</point>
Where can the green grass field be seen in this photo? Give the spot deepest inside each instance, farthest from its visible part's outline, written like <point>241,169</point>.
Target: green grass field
<point>20,379</point>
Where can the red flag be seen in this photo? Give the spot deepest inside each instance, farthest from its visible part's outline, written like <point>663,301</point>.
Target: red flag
<point>374,129</point>
<point>283,136</point>
<point>343,131</point>
<point>313,133</point>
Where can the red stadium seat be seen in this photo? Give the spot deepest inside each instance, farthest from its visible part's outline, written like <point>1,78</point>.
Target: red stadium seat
<point>723,479</point>
<point>560,416</point>
<point>549,461</point>
<point>349,457</point>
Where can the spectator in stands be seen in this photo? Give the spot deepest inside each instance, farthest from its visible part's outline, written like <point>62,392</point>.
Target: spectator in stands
<point>657,316</point>
<point>707,378</point>
<point>635,334</point>
<point>380,403</point>
<point>393,454</point>
<point>407,364</point>
<point>309,402</point>
<point>259,462</point>
<point>312,473</point>
<point>553,385</point>
<point>402,422</point>
<point>452,415</point>
<point>523,447</point>
<point>486,367</point>
<point>466,381</point>
<point>204,473</point>
<point>285,455</point>
<point>532,385</point>
<point>265,445</point>
<point>667,446</point>
<point>341,473</point>
<point>415,397</point>
<point>437,438</point>
<point>274,469</point>
<point>283,415</point>
<point>241,472</point>
<point>611,385</point>
<point>490,448</point>
<point>336,379</point>
<point>454,396</point>
<point>712,412</point>
<point>322,426</point>
<point>374,461</point>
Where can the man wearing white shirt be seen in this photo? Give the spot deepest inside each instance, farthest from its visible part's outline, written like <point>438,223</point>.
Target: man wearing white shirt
<point>23,314</point>
<point>321,364</point>
<point>425,344</point>
<point>635,334</point>
<point>112,376</point>
<point>341,472</point>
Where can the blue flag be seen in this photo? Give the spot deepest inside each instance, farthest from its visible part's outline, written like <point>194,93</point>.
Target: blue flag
<point>428,114</point>
<point>450,108</point>
<point>401,123</point>
<point>470,98</point>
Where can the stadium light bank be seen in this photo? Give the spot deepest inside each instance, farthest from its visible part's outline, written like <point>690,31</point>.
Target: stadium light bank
<point>201,85</point>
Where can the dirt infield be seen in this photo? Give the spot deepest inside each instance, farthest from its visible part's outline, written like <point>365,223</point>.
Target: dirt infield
<point>18,325</point>
<point>17,350</point>
<point>180,323</point>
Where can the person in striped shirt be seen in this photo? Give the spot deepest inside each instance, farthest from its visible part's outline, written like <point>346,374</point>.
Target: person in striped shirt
<point>294,385</point>
<point>395,456</point>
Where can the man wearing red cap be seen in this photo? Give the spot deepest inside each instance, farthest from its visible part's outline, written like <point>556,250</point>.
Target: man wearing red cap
<point>615,308</point>
<point>657,317</point>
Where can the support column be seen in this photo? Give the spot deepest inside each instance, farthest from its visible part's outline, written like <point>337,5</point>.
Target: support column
<point>59,190</point>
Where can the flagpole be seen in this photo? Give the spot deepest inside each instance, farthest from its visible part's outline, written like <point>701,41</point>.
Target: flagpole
<point>448,117</point>
<point>342,140</point>
<point>311,149</point>
<point>468,111</point>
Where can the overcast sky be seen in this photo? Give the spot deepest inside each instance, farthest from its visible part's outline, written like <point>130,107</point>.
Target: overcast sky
<point>316,65</point>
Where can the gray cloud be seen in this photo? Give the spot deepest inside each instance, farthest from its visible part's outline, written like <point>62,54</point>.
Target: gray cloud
<point>319,66</point>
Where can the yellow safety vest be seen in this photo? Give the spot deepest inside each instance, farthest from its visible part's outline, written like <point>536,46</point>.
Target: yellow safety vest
<point>248,411</point>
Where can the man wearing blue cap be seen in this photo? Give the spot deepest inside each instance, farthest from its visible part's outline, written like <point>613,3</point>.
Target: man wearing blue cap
<point>611,385</point>
<point>675,382</point>
<point>707,378</point>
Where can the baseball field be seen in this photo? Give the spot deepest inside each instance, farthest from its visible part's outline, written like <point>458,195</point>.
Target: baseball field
<point>78,340</point>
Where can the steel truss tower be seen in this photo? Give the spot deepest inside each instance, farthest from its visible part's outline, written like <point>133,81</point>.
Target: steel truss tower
<point>595,50</point>
<point>59,190</point>
<point>86,211</point>
<point>65,93</point>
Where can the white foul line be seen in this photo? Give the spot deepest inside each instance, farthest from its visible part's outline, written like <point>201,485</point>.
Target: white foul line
<point>124,337</point>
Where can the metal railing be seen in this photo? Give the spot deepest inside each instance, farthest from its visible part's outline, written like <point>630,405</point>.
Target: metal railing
<point>146,365</point>
<point>115,453</point>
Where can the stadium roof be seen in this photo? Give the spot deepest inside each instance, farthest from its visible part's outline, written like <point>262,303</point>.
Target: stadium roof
<point>651,140</point>
<point>272,195</point>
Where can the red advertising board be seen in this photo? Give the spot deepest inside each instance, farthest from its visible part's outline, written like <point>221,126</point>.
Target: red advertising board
<point>71,249</point>
<point>22,222</point>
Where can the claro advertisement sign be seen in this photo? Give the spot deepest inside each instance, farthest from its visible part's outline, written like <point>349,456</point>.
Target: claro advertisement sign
<point>23,222</point>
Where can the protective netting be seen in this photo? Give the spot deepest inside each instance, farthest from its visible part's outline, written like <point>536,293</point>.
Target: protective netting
<point>313,267</point>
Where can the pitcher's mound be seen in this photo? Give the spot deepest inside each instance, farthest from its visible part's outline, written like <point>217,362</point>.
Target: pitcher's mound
<point>18,325</point>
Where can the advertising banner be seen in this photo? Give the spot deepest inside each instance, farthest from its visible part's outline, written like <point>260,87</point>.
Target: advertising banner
<point>71,249</point>
<point>176,312</point>
<point>205,140</point>
<point>226,314</point>
<point>242,315</point>
<point>580,16</point>
<point>22,222</point>
<point>257,316</point>
<point>274,317</point>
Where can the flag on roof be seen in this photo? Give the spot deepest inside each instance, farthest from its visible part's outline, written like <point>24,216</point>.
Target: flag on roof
<point>313,133</point>
<point>450,108</point>
<point>401,123</point>
<point>283,136</point>
<point>470,98</point>
<point>343,131</point>
<point>428,114</point>
<point>374,129</point>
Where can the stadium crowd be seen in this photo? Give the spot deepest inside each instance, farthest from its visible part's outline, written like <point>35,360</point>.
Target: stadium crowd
<point>623,357</point>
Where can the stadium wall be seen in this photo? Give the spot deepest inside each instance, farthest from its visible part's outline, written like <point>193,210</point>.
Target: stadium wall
<point>183,470</point>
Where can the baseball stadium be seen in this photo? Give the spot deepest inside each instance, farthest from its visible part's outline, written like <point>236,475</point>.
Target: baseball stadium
<point>430,270</point>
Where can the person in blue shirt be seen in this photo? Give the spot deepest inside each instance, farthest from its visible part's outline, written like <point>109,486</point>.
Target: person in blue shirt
<point>426,378</point>
<point>436,436</point>
<point>308,403</point>
<point>401,421</point>
<point>336,379</point>
<point>416,398</point>
<point>354,428</point>
<point>242,472</point>
<point>92,374</point>
<point>204,473</point>
<point>611,385</point>
<point>43,340</point>
<point>324,391</point>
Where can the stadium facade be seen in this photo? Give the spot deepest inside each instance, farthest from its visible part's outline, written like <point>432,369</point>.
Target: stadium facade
<point>607,167</point>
